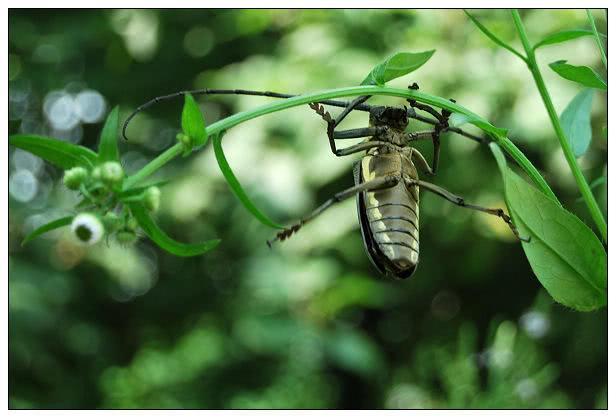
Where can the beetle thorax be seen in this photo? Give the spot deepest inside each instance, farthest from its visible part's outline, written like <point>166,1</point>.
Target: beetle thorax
<point>395,119</point>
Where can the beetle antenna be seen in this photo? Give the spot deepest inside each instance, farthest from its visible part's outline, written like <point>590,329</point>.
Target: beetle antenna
<point>203,92</point>
<point>362,107</point>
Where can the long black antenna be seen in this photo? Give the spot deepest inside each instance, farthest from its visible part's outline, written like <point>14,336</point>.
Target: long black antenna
<point>203,92</point>
<point>362,107</point>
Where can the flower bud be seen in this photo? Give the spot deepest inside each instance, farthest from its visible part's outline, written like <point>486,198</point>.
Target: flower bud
<point>87,228</point>
<point>75,177</point>
<point>111,221</point>
<point>132,224</point>
<point>111,172</point>
<point>97,173</point>
<point>185,141</point>
<point>126,237</point>
<point>151,198</point>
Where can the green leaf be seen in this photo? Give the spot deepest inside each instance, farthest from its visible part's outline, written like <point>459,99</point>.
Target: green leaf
<point>59,153</point>
<point>193,123</point>
<point>58,223</point>
<point>236,187</point>
<point>493,37</point>
<point>580,74</point>
<point>575,121</point>
<point>565,255</point>
<point>395,66</point>
<point>563,36</point>
<point>108,146</point>
<point>164,241</point>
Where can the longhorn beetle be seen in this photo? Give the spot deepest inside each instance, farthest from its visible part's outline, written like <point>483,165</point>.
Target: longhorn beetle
<point>386,179</point>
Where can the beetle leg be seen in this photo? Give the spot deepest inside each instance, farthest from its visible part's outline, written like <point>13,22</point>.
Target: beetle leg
<point>376,184</point>
<point>418,136</point>
<point>457,200</point>
<point>436,147</point>
<point>331,123</point>
<point>418,158</point>
<point>362,146</point>
<point>358,133</point>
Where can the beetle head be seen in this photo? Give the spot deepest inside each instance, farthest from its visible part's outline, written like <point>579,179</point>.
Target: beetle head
<point>394,117</point>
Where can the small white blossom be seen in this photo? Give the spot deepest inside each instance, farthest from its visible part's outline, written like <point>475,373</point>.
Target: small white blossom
<point>87,228</point>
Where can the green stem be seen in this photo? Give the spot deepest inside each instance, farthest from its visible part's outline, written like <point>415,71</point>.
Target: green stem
<point>227,123</point>
<point>525,163</point>
<point>597,37</point>
<point>154,165</point>
<point>590,200</point>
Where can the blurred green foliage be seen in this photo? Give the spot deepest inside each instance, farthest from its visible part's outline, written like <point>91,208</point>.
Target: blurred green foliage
<point>308,324</point>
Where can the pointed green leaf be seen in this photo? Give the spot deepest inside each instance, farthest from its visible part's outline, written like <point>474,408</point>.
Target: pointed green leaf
<point>563,36</point>
<point>236,187</point>
<point>193,123</point>
<point>565,255</point>
<point>580,74</point>
<point>108,145</point>
<point>493,37</point>
<point>58,223</point>
<point>575,121</point>
<point>164,241</point>
<point>395,66</point>
<point>59,153</point>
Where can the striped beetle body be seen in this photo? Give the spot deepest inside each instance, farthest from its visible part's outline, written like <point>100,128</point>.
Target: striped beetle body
<point>389,218</point>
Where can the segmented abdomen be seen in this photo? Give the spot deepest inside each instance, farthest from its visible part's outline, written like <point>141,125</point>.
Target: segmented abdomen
<point>394,223</point>
<point>393,213</point>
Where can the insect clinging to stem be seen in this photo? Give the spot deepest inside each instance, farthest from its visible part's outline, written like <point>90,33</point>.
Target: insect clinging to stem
<point>386,178</point>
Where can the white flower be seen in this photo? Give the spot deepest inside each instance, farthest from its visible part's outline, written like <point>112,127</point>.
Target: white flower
<point>87,228</point>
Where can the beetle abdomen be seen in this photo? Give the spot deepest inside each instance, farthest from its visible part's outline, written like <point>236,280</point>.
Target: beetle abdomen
<point>392,215</point>
<point>394,224</point>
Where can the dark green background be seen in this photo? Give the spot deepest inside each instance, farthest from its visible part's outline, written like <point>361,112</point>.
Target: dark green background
<point>308,324</point>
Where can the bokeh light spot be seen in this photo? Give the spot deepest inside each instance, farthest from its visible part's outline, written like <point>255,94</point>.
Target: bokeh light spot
<point>23,185</point>
<point>198,41</point>
<point>90,106</point>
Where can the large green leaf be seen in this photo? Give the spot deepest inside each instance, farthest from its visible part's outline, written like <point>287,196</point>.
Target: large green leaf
<point>395,66</point>
<point>575,121</point>
<point>163,240</point>
<point>108,145</point>
<point>237,187</point>
<point>586,76</point>
<point>565,255</point>
<point>58,223</point>
<point>59,153</point>
<point>563,36</point>
<point>193,123</point>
